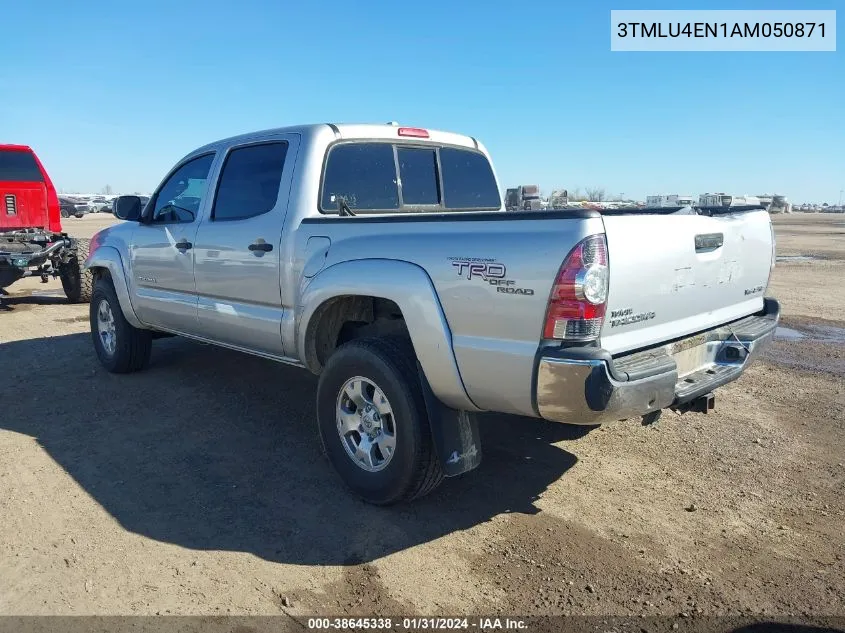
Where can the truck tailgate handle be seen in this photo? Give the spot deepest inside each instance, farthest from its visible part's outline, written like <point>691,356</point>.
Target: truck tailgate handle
<point>705,242</point>
<point>260,245</point>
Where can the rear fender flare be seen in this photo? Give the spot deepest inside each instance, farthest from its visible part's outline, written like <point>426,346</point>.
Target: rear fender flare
<point>108,258</point>
<point>410,287</point>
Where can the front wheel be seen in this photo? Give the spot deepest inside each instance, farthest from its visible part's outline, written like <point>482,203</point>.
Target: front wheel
<point>373,422</point>
<point>121,348</point>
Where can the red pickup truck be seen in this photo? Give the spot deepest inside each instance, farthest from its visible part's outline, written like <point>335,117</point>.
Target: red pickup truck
<point>31,239</point>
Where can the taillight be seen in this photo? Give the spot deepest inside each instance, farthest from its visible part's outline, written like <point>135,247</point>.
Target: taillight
<point>579,295</point>
<point>774,253</point>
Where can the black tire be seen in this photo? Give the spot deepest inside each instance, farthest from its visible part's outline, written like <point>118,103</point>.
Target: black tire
<point>132,345</point>
<point>65,214</point>
<point>77,282</point>
<point>414,469</point>
<point>78,215</point>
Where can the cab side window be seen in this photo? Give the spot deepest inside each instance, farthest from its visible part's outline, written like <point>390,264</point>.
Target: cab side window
<point>179,199</point>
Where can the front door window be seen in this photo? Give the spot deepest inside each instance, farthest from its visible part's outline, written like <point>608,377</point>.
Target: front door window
<point>179,199</point>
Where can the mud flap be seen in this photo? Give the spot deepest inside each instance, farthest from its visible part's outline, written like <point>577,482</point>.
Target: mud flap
<point>455,433</point>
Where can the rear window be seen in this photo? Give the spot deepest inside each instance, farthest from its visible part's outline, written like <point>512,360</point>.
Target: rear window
<point>363,174</point>
<point>468,181</point>
<point>429,178</point>
<point>418,172</point>
<point>19,166</point>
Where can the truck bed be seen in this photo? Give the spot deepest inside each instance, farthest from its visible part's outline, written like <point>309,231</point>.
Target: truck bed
<point>493,273</point>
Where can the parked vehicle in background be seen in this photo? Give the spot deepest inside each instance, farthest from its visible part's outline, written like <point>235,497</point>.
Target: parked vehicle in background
<point>99,204</point>
<point>381,258</point>
<point>714,200</point>
<point>669,200</point>
<point>559,199</point>
<point>775,203</point>
<point>780,204</point>
<point>67,207</point>
<point>31,239</point>
<point>72,207</point>
<point>726,200</point>
<point>523,198</point>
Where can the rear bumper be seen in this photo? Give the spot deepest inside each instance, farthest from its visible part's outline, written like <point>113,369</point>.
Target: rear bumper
<point>21,260</point>
<point>27,260</point>
<point>588,386</point>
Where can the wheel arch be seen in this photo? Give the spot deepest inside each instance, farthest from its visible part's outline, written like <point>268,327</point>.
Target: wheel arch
<point>357,291</point>
<point>106,260</point>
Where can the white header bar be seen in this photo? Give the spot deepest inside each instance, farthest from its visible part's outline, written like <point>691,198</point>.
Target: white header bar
<point>723,30</point>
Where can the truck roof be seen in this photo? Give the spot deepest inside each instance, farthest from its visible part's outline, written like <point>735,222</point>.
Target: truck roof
<point>20,148</point>
<point>350,130</point>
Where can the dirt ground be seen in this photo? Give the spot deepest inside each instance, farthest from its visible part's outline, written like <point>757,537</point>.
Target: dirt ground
<point>198,486</point>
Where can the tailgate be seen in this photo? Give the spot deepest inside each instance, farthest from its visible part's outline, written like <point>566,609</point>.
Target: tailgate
<point>673,275</point>
<point>23,205</point>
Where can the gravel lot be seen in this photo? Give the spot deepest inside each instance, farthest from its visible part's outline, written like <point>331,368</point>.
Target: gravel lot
<point>198,486</point>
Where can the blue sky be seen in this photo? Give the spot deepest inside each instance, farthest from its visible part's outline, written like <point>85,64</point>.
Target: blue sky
<point>115,92</point>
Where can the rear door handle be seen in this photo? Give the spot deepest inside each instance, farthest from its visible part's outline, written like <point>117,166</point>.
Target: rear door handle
<point>260,245</point>
<point>183,245</point>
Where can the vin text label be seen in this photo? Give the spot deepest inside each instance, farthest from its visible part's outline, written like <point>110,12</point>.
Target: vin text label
<point>729,30</point>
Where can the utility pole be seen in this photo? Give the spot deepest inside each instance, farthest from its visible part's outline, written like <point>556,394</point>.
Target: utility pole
<point>840,196</point>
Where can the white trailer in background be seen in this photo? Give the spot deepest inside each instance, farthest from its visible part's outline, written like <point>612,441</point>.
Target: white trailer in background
<point>669,200</point>
<point>775,203</point>
<point>727,200</point>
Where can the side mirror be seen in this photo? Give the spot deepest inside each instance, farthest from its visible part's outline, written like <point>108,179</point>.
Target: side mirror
<point>128,208</point>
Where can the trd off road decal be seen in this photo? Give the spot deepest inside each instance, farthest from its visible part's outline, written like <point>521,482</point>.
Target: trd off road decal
<point>489,271</point>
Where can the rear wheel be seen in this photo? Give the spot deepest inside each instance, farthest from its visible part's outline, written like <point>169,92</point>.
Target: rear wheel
<point>76,281</point>
<point>373,421</point>
<point>121,348</point>
<point>65,214</point>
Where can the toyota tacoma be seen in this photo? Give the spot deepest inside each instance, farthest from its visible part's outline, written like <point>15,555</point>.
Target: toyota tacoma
<point>382,259</point>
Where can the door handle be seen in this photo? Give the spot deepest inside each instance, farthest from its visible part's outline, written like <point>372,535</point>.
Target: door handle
<point>183,245</point>
<point>260,246</point>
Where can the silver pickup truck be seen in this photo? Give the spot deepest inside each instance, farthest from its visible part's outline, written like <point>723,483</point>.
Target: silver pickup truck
<point>382,259</point>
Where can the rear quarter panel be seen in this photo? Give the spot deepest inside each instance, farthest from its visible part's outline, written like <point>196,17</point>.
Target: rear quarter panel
<point>495,333</point>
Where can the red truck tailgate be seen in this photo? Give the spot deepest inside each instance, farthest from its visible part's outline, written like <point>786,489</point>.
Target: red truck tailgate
<point>23,205</point>
<point>28,198</point>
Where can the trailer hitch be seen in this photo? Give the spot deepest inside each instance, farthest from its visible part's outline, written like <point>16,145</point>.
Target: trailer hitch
<point>702,404</point>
